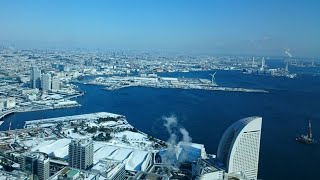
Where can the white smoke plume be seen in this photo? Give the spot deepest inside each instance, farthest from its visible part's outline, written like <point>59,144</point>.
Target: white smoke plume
<point>171,124</point>
<point>185,135</point>
<point>287,52</point>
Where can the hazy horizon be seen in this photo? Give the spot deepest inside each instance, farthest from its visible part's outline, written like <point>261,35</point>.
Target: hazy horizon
<point>212,27</point>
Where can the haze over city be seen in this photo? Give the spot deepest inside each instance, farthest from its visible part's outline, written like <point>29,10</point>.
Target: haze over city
<point>206,27</point>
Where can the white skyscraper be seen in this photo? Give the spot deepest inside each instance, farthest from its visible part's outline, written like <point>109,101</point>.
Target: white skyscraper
<point>81,153</point>
<point>46,82</point>
<point>252,62</point>
<point>263,63</point>
<point>35,78</point>
<point>55,83</point>
<point>239,147</point>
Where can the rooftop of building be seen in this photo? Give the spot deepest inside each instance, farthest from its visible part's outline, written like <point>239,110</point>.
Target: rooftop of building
<point>37,155</point>
<point>211,164</point>
<point>68,172</point>
<point>72,172</point>
<point>82,142</point>
<point>107,168</point>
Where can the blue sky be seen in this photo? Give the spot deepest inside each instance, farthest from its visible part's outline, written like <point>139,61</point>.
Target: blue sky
<point>249,27</point>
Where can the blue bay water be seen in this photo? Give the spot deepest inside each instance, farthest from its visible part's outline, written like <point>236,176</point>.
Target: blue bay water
<point>206,114</point>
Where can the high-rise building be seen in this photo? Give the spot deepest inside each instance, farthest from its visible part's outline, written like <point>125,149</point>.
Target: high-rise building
<point>36,164</point>
<point>239,147</point>
<point>263,64</point>
<point>35,78</point>
<point>252,62</point>
<point>81,153</point>
<point>46,82</point>
<point>55,83</point>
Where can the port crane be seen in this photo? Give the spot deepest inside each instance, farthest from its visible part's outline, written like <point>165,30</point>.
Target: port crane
<point>307,139</point>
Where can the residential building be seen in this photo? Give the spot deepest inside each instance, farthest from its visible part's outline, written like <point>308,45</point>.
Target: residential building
<point>81,153</point>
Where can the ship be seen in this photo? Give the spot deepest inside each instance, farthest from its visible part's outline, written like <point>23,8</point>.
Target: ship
<point>306,138</point>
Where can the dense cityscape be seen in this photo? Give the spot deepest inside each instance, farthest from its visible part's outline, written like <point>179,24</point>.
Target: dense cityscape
<point>161,90</point>
<point>103,145</point>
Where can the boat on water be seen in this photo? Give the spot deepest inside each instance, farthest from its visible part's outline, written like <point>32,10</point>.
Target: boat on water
<point>306,138</point>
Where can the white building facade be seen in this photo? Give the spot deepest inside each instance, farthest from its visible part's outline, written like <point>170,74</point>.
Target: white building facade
<point>239,147</point>
<point>46,82</point>
<point>55,83</point>
<point>81,153</point>
<point>7,102</point>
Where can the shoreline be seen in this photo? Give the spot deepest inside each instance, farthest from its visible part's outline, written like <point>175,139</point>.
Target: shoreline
<point>33,110</point>
<point>3,114</point>
<point>220,88</point>
<point>216,88</point>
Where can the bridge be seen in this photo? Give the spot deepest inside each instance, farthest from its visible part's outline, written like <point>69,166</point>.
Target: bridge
<point>5,113</point>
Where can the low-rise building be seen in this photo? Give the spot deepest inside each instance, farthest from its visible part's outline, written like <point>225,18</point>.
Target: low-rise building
<point>14,175</point>
<point>68,173</point>
<point>7,102</point>
<point>205,169</point>
<point>111,170</point>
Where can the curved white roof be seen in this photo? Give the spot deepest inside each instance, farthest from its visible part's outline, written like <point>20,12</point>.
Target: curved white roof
<point>61,152</point>
<point>135,160</point>
<point>55,146</point>
<point>103,152</point>
<point>120,154</point>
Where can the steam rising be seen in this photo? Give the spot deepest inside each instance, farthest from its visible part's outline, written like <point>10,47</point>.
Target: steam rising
<point>171,125</point>
<point>287,52</point>
<point>185,135</point>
